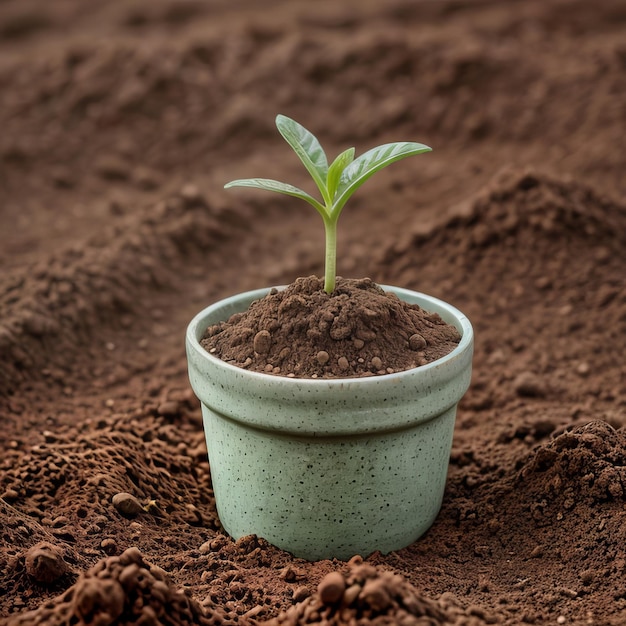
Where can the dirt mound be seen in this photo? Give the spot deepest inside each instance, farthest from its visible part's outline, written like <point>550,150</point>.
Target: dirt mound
<point>522,215</point>
<point>122,589</point>
<point>548,208</point>
<point>533,261</point>
<point>358,330</point>
<point>124,454</point>
<point>574,485</point>
<point>570,485</point>
<point>581,467</point>
<point>44,561</point>
<point>367,595</point>
<point>53,306</point>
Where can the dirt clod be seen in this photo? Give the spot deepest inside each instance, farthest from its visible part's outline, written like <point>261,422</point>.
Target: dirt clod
<point>127,504</point>
<point>124,589</point>
<point>365,595</point>
<point>331,588</point>
<point>417,342</point>
<point>529,385</point>
<point>262,342</point>
<point>322,357</point>
<point>44,563</point>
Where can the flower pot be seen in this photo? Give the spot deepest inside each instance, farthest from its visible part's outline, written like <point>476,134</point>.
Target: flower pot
<point>327,468</point>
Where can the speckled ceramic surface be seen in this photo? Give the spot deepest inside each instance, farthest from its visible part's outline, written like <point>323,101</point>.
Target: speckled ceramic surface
<point>329,468</point>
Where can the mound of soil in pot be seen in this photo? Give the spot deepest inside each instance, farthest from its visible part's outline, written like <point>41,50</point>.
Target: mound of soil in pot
<point>357,330</point>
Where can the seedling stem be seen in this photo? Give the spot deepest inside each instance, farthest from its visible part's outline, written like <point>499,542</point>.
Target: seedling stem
<point>336,182</point>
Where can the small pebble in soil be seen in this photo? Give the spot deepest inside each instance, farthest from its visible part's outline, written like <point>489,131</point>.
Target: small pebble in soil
<point>587,577</point>
<point>528,384</point>
<point>322,357</point>
<point>343,364</point>
<point>301,593</point>
<point>331,588</point>
<point>190,193</point>
<point>110,167</point>
<point>583,369</point>
<point>288,574</point>
<point>169,408</point>
<point>366,335</point>
<point>351,594</point>
<point>262,342</point>
<point>44,563</point>
<point>375,594</point>
<point>377,363</point>
<point>543,282</point>
<point>417,342</point>
<point>109,546</point>
<point>127,504</point>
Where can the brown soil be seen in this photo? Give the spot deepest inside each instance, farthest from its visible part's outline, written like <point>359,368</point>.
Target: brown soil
<point>357,330</point>
<point>121,122</point>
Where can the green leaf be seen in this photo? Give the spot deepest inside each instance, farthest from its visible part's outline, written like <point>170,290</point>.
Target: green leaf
<point>308,148</point>
<point>336,169</point>
<point>273,185</point>
<point>368,164</point>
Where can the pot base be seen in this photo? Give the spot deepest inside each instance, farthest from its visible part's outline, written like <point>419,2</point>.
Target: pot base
<point>329,497</point>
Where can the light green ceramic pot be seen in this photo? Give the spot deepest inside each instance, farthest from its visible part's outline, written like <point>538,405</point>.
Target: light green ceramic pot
<point>329,468</point>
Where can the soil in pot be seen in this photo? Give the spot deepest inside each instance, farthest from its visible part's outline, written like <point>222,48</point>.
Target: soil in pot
<point>358,330</point>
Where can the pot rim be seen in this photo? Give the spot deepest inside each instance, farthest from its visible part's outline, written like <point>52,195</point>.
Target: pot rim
<point>449,313</point>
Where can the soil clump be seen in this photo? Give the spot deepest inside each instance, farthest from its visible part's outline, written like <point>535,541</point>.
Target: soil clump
<point>122,589</point>
<point>358,330</point>
<point>366,595</point>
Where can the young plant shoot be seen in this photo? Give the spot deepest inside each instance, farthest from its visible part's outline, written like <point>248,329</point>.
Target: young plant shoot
<point>336,182</point>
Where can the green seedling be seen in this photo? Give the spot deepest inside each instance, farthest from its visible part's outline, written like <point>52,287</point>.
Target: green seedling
<point>336,182</point>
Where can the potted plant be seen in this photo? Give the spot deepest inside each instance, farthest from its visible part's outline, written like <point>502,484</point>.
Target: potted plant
<point>329,406</point>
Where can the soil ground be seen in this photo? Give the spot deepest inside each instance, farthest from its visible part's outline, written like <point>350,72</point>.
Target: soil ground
<point>120,123</point>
